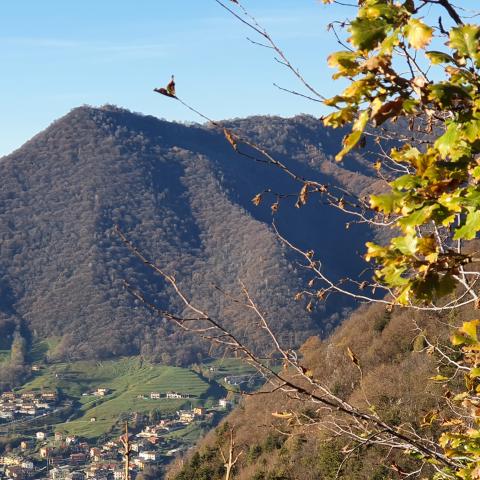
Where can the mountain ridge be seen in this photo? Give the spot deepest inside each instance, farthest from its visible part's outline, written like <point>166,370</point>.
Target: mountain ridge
<point>184,198</point>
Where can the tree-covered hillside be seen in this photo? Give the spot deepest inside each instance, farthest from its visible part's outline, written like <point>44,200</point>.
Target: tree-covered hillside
<point>183,197</point>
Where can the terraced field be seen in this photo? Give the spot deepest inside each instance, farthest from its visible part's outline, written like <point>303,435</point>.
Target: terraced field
<point>128,379</point>
<point>4,355</point>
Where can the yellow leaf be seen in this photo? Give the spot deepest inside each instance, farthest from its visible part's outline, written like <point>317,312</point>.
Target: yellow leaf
<point>470,329</point>
<point>419,35</point>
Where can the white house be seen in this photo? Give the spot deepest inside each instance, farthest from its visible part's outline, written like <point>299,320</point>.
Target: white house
<point>27,465</point>
<point>145,455</point>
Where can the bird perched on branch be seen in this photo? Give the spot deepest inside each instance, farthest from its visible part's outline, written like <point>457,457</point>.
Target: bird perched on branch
<point>169,91</point>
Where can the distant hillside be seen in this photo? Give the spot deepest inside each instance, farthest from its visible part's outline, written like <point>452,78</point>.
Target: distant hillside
<point>184,198</point>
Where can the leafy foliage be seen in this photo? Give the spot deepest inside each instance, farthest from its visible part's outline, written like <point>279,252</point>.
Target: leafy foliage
<point>437,197</point>
<point>433,204</point>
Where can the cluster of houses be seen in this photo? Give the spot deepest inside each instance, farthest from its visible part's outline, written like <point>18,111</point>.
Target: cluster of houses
<point>14,406</point>
<point>66,457</point>
<point>238,380</point>
<point>170,395</point>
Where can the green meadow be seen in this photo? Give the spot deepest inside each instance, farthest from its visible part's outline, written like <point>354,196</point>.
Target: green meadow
<point>129,379</point>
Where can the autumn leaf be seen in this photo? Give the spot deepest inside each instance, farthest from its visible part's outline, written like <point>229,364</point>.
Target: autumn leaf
<point>231,140</point>
<point>303,196</point>
<point>169,91</point>
<point>418,34</point>
<point>257,199</point>
<point>352,357</point>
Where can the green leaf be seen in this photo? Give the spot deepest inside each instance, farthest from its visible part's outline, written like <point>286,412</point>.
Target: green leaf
<point>406,182</point>
<point>470,228</point>
<point>418,217</point>
<point>393,275</point>
<point>464,39</point>
<point>387,202</point>
<point>343,60</point>
<point>368,33</point>
<point>407,244</point>
<point>437,58</point>
<point>476,173</point>
<point>349,142</point>
<point>340,118</point>
<point>446,142</point>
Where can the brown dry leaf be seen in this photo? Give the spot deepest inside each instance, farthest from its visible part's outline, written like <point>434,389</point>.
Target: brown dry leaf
<point>230,138</point>
<point>303,196</point>
<point>257,199</point>
<point>352,357</point>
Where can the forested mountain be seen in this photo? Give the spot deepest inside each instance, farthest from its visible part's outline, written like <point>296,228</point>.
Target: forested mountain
<point>183,197</point>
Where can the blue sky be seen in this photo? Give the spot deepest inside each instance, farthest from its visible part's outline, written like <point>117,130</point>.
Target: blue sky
<point>59,54</point>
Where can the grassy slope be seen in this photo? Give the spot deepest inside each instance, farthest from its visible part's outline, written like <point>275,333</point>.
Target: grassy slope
<point>127,378</point>
<point>4,355</point>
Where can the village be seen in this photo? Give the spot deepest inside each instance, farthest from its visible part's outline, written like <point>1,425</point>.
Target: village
<point>15,406</point>
<point>55,455</point>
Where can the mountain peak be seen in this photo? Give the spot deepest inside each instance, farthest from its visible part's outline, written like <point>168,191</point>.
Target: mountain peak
<point>183,197</point>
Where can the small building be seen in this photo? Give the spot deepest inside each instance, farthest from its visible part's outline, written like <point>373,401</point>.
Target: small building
<point>146,455</point>
<point>44,452</point>
<point>101,392</point>
<point>174,395</point>
<point>49,396</point>
<point>155,395</point>
<point>77,458</point>
<point>7,414</point>
<point>41,435</point>
<point>29,396</point>
<point>58,436</point>
<point>60,473</point>
<point>27,465</point>
<point>153,440</point>
<point>118,474</point>
<point>26,444</point>
<point>71,439</point>
<point>186,416</point>
<point>223,403</point>
<point>11,460</point>
<point>140,463</point>
<point>199,411</point>
<point>95,452</point>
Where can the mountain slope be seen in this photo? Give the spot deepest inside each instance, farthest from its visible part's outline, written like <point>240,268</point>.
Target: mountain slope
<point>184,198</point>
